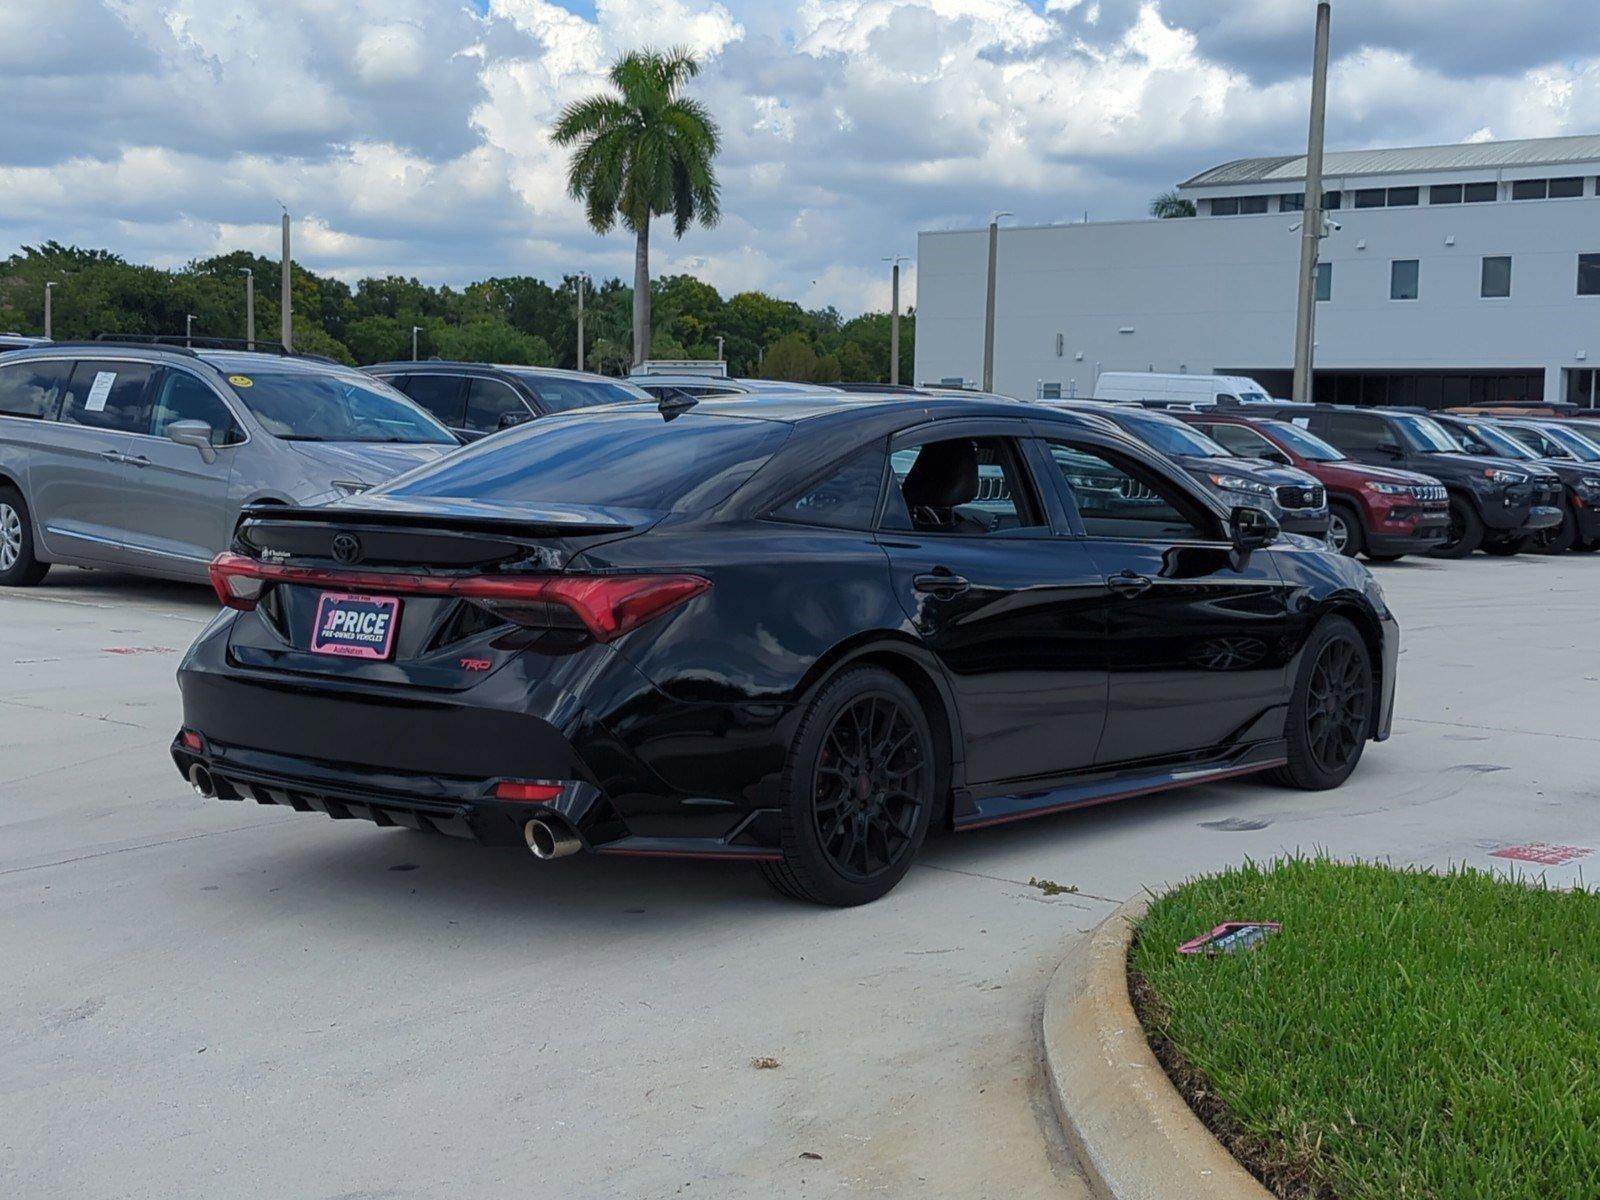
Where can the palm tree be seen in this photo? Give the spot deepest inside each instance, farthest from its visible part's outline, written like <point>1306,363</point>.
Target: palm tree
<point>1170,204</point>
<point>641,154</point>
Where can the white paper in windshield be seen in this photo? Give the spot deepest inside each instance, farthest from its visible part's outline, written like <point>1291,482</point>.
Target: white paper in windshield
<point>99,390</point>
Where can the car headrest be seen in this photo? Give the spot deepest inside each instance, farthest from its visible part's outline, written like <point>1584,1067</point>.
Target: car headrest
<point>944,475</point>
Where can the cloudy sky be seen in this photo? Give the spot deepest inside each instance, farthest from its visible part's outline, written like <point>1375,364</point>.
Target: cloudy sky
<point>411,136</point>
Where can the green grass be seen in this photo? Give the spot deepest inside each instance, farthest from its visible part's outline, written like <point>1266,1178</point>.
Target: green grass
<point>1406,1035</point>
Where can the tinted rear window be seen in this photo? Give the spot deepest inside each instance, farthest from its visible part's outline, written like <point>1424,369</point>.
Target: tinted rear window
<point>30,389</point>
<point>634,459</point>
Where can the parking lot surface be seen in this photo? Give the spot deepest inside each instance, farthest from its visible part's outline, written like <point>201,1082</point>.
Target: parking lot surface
<point>219,1000</point>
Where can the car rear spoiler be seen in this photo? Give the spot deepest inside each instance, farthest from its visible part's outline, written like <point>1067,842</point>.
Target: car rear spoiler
<point>463,516</point>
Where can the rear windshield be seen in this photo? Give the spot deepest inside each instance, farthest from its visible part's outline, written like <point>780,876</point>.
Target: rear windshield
<point>629,459</point>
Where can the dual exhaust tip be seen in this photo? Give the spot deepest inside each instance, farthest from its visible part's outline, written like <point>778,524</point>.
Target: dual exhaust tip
<point>550,840</point>
<point>200,779</point>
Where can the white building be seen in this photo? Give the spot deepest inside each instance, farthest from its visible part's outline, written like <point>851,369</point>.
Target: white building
<point>1457,274</point>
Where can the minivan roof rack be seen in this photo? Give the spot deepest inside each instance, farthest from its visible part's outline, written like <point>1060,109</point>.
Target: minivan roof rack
<point>178,341</point>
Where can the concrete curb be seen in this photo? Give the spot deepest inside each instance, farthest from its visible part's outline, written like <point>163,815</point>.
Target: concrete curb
<point>1134,1136</point>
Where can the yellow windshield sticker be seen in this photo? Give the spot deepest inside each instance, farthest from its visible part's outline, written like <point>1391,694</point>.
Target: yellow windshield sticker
<point>241,381</point>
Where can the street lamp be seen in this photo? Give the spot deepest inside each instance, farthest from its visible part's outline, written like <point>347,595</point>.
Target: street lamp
<point>188,329</point>
<point>894,318</point>
<point>415,329</point>
<point>720,340</point>
<point>285,307</point>
<point>49,288</point>
<point>249,308</point>
<point>988,308</point>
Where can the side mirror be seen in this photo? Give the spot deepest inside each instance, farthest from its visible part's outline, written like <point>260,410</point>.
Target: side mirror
<point>1251,529</point>
<point>510,419</point>
<point>196,434</point>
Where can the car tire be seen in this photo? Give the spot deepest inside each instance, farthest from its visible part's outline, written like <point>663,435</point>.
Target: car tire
<point>1560,539</point>
<point>1383,558</point>
<point>1508,547</point>
<point>1353,538</point>
<point>857,791</point>
<point>1331,710</point>
<point>18,565</point>
<point>1466,531</point>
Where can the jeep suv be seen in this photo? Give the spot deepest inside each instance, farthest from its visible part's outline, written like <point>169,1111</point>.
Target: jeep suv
<point>1494,503</point>
<point>138,456</point>
<point>1293,497</point>
<point>1378,511</point>
<point>1576,493</point>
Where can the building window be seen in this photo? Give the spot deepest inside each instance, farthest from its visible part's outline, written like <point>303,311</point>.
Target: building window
<point>1403,197</point>
<point>1292,202</point>
<point>1530,189</point>
<point>1445,193</point>
<point>1479,193</point>
<point>1331,200</point>
<point>1324,281</point>
<point>1589,274</point>
<point>1225,206</point>
<point>1565,189</point>
<point>1371,198</point>
<point>1252,204</point>
<point>1404,275</point>
<point>1496,281</point>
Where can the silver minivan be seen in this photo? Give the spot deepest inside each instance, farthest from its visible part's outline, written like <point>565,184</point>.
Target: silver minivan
<point>139,457</point>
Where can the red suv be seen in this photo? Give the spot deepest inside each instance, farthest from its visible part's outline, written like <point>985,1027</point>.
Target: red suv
<point>1378,511</point>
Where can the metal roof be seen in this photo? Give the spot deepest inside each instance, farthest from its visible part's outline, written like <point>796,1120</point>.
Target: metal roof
<point>1467,156</point>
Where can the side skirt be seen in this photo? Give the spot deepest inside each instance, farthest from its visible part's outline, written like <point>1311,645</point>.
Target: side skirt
<point>1104,787</point>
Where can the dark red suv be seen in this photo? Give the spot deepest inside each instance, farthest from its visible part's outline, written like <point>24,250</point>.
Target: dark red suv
<point>1378,511</point>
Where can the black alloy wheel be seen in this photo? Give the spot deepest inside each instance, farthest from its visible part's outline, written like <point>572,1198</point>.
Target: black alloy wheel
<point>1331,711</point>
<point>858,791</point>
<point>1465,533</point>
<point>1558,539</point>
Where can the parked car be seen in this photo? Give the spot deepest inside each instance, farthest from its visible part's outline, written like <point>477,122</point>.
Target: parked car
<point>1202,390</point>
<point>696,379</point>
<point>1295,499</point>
<point>749,638</point>
<point>1494,503</point>
<point>1377,511</point>
<point>20,341</point>
<point>475,399</point>
<point>139,456</point>
<point>1480,436</point>
<point>1575,457</point>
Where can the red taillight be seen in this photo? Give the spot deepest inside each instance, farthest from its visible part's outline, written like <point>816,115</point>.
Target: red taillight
<point>526,793</point>
<point>608,606</point>
<point>190,740</point>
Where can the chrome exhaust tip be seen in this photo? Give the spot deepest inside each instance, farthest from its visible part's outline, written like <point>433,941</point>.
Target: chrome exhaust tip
<point>550,841</point>
<point>200,779</point>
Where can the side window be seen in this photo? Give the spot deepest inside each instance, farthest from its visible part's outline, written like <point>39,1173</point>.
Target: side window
<point>1240,440</point>
<point>1355,431</point>
<point>846,499</point>
<point>487,401</point>
<point>963,486</point>
<point>1117,497</point>
<point>179,396</point>
<point>31,389</point>
<point>109,396</point>
<point>438,394</point>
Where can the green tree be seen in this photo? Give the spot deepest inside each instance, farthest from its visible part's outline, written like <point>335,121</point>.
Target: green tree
<point>492,341</point>
<point>644,153</point>
<point>791,358</point>
<point>1170,204</point>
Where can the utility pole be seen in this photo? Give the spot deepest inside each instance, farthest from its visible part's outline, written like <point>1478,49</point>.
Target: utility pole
<point>580,282</point>
<point>1311,231</point>
<point>188,330</point>
<point>988,307</point>
<point>894,314</point>
<point>249,308</point>
<point>286,333</point>
<point>49,288</point>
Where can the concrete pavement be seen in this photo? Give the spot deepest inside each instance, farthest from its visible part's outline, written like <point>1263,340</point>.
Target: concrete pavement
<point>219,1000</point>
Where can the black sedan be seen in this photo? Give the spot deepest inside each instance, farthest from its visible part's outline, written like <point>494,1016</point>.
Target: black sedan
<point>798,632</point>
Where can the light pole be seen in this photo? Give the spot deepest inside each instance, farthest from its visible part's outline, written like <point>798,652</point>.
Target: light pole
<point>894,316</point>
<point>988,308</point>
<point>415,329</point>
<point>286,331</point>
<point>1311,231</point>
<point>188,330</point>
<point>49,289</point>
<point>249,308</point>
<point>720,340</point>
<point>580,281</point>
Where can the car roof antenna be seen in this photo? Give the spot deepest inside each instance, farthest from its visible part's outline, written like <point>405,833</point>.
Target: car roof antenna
<point>675,403</point>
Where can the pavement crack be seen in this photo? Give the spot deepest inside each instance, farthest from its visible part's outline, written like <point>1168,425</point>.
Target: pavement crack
<point>1021,883</point>
<point>193,837</point>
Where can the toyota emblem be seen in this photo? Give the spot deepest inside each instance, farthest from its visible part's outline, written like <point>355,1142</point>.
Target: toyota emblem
<point>347,547</point>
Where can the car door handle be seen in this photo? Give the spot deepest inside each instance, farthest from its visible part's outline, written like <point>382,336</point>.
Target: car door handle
<point>940,583</point>
<point>112,456</point>
<point>137,460</point>
<point>1126,583</point>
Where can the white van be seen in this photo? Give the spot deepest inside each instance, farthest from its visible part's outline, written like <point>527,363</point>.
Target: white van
<point>1179,389</point>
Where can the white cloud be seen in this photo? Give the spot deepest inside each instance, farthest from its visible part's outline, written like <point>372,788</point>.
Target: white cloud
<point>412,135</point>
